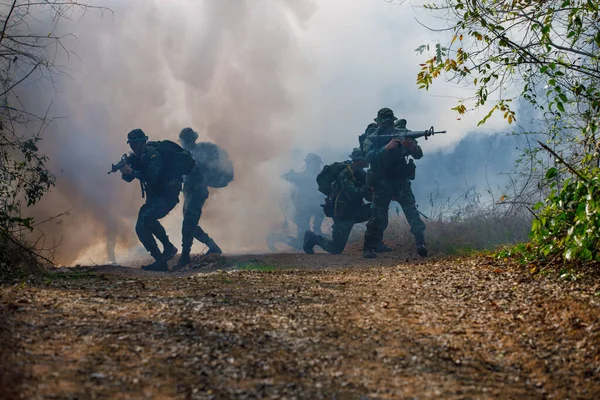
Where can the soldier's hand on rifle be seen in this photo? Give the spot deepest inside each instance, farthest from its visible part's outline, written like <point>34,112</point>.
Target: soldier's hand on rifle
<point>409,144</point>
<point>393,144</point>
<point>126,170</point>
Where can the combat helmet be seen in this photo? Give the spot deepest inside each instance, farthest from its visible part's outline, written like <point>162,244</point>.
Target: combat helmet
<point>136,135</point>
<point>313,158</point>
<point>385,114</point>
<point>188,134</point>
<point>357,155</point>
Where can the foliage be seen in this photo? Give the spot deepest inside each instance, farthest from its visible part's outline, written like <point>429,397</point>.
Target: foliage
<point>568,224</point>
<point>501,45</point>
<point>26,54</point>
<point>546,53</point>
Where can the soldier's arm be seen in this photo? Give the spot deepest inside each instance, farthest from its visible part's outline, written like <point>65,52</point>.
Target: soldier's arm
<point>373,154</point>
<point>416,153</point>
<point>127,177</point>
<point>128,173</point>
<point>353,191</point>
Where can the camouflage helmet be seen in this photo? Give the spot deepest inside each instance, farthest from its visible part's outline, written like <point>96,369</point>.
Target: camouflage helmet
<point>385,114</point>
<point>188,134</point>
<point>312,157</point>
<point>136,135</point>
<point>401,123</point>
<point>357,155</point>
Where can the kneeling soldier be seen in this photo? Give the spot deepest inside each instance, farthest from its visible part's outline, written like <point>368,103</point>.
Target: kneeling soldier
<point>349,208</point>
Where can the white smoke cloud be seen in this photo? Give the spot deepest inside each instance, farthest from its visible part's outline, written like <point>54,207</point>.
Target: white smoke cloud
<point>259,78</point>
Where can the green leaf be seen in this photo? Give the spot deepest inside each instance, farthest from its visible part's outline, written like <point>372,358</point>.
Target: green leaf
<point>560,106</point>
<point>551,173</point>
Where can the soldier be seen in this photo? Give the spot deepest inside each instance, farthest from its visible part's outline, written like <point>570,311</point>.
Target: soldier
<point>307,202</point>
<point>195,194</point>
<point>390,175</point>
<point>401,125</point>
<point>349,189</point>
<point>372,127</point>
<point>162,195</point>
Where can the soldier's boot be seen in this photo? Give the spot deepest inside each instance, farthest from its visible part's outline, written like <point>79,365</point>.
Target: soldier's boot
<point>169,252</point>
<point>420,243</point>
<point>184,259</point>
<point>213,248</point>
<point>310,240</point>
<point>159,264</point>
<point>369,253</point>
<point>382,248</point>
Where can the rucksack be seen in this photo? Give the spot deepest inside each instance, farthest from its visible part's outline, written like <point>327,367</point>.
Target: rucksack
<point>218,168</point>
<point>328,175</point>
<point>177,161</point>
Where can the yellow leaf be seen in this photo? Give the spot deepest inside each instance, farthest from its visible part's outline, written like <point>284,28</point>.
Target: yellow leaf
<point>533,270</point>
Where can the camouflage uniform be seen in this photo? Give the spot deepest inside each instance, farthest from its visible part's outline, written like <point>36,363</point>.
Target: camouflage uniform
<point>350,189</point>
<point>390,181</point>
<point>162,195</point>
<point>195,193</point>
<point>372,127</point>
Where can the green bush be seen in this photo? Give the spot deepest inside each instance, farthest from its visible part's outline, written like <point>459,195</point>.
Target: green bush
<point>568,222</point>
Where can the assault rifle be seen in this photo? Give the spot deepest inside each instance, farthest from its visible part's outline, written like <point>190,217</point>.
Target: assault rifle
<point>124,161</point>
<point>412,134</point>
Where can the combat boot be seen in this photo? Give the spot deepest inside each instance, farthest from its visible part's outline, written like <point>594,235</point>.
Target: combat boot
<point>310,240</point>
<point>169,252</point>
<point>382,248</point>
<point>213,248</point>
<point>369,253</point>
<point>160,264</point>
<point>420,243</point>
<point>184,259</point>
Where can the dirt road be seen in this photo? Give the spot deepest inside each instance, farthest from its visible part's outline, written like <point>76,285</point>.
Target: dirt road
<point>304,327</point>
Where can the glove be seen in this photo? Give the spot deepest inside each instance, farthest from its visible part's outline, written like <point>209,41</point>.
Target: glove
<point>410,145</point>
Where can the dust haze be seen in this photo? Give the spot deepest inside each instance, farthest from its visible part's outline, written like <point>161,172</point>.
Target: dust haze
<point>268,81</point>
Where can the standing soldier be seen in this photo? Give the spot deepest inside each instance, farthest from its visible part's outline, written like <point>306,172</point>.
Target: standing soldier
<point>161,188</point>
<point>349,189</point>
<point>390,176</point>
<point>307,202</point>
<point>195,194</point>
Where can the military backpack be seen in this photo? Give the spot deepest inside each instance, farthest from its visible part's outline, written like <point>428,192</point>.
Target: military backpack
<point>328,175</point>
<point>218,168</point>
<point>177,161</point>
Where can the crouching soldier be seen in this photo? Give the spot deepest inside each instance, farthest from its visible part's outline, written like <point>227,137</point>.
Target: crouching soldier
<point>195,194</point>
<point>349,190</point>
<point>161,188</point>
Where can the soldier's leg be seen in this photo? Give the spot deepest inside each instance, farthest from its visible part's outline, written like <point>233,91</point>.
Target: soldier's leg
<point>161,207</point>
<point>379,218</point>
<point>192,210</point>
<point>302,221</point>
<point>341,232</point>
<point>363,214</point>
<point>406,199</point>
<point>318,218</point>
<point>146,224</point>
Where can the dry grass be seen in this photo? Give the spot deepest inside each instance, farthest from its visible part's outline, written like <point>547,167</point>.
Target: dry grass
<point>481,229</point>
